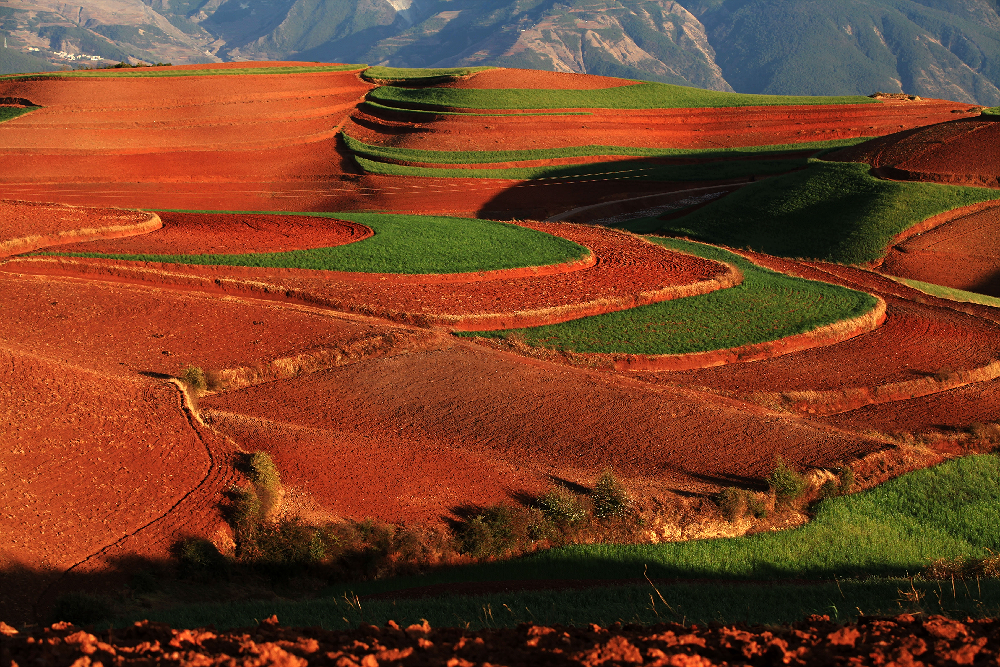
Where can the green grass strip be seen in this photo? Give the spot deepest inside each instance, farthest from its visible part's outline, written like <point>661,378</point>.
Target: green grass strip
<point>765,307</point>
<point>834,211</point>
<point>409,244</point>
<point>889,532</point>
<point>418,75</point>
<point>639,96</point>
<point>373,152</point>
<point>950,292</point>
<point>10,113</point>
<point>990,111</point>
<point>130,72</point>
<point>771,604</point>
<point>375,107</point>
<point>638,170</point>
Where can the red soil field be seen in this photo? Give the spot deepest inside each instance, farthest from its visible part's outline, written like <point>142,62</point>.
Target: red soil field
<point>666,128</point>
<point>232,234</point>
<point>902,640</point>
<point>963,253</point>
<point>958,152</point>
<point>530,78</point>
<point>629,271</point>
<point>121,330</point>
<point>87,463</point>
<point>492,412</point>
<point>26,226</point>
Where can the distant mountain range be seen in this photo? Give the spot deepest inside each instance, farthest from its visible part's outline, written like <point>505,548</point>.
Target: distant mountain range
<point>932,48</point>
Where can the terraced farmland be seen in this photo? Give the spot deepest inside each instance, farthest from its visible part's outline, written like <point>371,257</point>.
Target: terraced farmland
<point>305,324</point>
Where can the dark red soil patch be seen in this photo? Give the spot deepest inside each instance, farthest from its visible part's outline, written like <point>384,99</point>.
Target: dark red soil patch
<point>629,271</point>
<point>232,234</point>
<point>506,419</point>
<point>963,253</point>
<point>955,152</point>
<point>904,639</point>
<point>502,78</point>
<point>949,410</point>
<point>27,226</point>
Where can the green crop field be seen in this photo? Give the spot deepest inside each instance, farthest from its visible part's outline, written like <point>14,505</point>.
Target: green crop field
<point>766,306</point>
<point>991,111</point>
<point>373,152</point>
<point>834,211</point>
<point>873,539</point>
<point>633,170</point>
<point>418,75</point>
<point>411,244</point>
<point>10,113</point>
<point>638,96</point>
<point>160,72</point>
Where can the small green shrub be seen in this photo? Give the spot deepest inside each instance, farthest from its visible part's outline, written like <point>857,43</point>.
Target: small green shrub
<point>286,545</point>
<point>562,507</point>
<point>609,497</point>
<point>81,608</point>
<point>736,504</point>
<point>786,484</point>
<point>194,378</point>
<point>489,533</point>
<point>846,480</point>
<point>244,509</point>
<point>199,558</point>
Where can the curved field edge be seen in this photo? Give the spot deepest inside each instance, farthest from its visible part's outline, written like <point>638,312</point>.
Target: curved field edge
<point>435,157</point>
<point>892,531</point>
<point>766,306</point>
<point>403,244</point>
<point>638,170</point>
<point>950,293</point>
<point>418,75</point>
<point>639,96</point>
<point>831,211</point>
<point>25,244</point>
<point>147,72</point>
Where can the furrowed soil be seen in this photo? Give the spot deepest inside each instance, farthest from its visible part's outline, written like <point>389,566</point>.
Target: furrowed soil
<point>541,419</point>
<point>904,639</point>
<point>26,226</point>
<point>962,253</point>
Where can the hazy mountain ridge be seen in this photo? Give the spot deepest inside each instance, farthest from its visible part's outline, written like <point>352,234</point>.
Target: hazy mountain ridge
<point>932,48</point>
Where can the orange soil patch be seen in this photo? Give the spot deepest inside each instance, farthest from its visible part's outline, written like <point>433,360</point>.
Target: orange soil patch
<point>963,253</point>
<point>88,461</point>
<point>517,79</point>
<point>232,234</point>
<point>26,226</point>
<point>507,423</point>
<point>629,271</point>
<point>665,128</point>
<point>922,348</point>
<point>948,152</point>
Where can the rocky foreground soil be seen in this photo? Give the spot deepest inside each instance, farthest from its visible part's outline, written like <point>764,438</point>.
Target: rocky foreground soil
<point>904,641</point>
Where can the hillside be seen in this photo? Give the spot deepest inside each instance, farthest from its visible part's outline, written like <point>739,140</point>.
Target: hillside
<point>946,49</point>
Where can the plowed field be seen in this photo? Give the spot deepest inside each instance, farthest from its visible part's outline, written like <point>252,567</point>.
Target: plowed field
<point>962,253</point>
<point>947,152</point>
<point>492,413</point>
